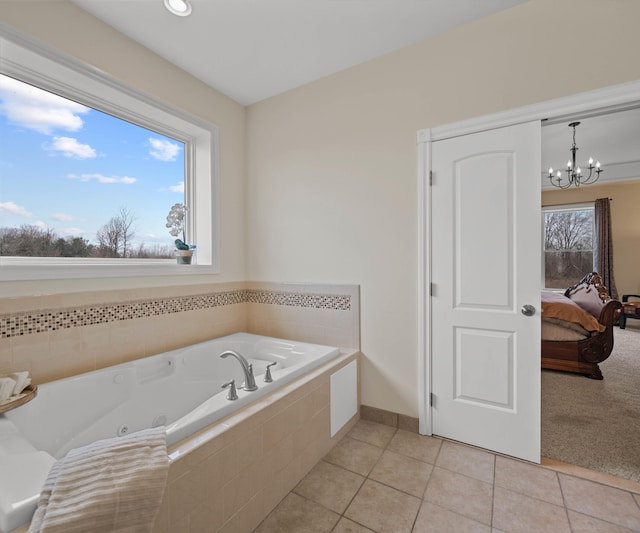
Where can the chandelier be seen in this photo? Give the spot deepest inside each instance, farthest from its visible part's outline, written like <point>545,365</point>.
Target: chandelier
<point>575,175</point>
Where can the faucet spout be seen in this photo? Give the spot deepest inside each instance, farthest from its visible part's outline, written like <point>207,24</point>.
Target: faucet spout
<point>247,368</point>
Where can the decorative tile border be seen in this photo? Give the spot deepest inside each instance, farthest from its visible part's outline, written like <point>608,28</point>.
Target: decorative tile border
<point>52,320</point>
<point>318,301</point>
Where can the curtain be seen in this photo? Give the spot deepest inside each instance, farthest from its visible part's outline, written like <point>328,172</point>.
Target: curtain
<point>603,245</point>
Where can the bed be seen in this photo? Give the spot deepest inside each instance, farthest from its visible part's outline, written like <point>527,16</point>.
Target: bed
<point>577,327</point>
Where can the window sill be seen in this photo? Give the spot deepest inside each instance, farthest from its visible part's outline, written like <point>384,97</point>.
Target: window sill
<point>44,268</point>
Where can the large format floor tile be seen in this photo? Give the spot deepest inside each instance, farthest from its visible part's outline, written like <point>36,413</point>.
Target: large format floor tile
<point>382,479</point>
<point>296,514</point>
<point>383,508</point>
<point>330,485</point>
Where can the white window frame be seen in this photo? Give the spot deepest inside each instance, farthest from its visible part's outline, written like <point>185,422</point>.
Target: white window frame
<point>33,63</point>
<point>587,206</point>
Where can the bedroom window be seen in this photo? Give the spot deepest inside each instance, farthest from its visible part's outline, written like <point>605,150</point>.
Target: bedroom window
<point>568,244</point>
<point>91,170</point>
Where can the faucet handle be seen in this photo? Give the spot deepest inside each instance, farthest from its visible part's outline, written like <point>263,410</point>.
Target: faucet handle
<point>233,395</point>
<point>267,375</point>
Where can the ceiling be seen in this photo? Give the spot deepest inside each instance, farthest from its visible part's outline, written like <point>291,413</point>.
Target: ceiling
<point>250,50</point>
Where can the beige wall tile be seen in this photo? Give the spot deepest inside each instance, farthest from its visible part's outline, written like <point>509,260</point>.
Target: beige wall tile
<point>6,358</point>
<point>125,342</point>
<point>114,342</point>
<point>221,467</point>
<point>249,449</point>
<point>251,514</point>
<point>185,493</point>
<point>205,451</point>
<point>30,349</point>
<point>207,516</point>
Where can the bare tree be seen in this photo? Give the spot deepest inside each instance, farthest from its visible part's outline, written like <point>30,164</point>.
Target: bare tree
<point>568,230</point>
<point>114,238</point>
<point>127,218</point>
<point>27,241</point>
<point>568,244</point>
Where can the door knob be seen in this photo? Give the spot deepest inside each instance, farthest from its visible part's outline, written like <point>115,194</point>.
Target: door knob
<point>528,310</point>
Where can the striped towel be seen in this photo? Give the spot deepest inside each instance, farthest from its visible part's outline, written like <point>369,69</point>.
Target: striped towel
<point>110,485</point>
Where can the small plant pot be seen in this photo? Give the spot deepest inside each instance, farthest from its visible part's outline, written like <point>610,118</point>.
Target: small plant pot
<point>183,257</point>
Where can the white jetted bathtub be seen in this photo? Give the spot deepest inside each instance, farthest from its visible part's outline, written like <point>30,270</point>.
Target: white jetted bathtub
<point>180,389</point>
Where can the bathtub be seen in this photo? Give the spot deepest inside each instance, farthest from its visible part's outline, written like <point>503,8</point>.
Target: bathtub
<point>180,389</point>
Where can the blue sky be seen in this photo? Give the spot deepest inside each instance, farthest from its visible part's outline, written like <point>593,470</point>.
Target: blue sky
<point>71,168</point>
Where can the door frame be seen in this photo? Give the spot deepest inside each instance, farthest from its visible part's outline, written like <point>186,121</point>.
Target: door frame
<point>608,99</point>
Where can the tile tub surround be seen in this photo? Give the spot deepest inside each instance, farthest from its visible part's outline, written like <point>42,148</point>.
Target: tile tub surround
<point>60,335</point>
<point>379,478</point>
<point>228,477</point>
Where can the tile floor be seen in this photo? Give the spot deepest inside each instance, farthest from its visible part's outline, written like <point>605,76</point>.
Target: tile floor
<point>384,479</point>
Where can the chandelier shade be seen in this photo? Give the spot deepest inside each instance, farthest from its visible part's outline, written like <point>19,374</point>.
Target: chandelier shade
<point>574,174</point>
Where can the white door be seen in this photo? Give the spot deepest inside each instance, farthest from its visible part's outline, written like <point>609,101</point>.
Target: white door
<point>486,266</point>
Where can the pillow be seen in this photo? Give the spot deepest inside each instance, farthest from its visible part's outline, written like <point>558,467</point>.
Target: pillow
<point>556,305</point>
<point>589,293</point>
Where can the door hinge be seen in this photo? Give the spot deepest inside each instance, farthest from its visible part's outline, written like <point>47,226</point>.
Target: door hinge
<point>431,396</point>
<point>430,177</point>
<point>432,289</point>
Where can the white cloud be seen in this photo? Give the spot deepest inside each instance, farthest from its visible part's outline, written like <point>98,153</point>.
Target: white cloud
<point>10,208</point>
<point>100,178</point>
<point>74,232</point>
<point>70,147</point>
<point>40,224</point>
<point>177,188</point>
<point>38,110</point>
<point>163,150</point>
<point>62,217</point>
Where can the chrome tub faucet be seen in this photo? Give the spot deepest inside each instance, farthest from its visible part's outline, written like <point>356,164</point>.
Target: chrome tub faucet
<point>247,368</point>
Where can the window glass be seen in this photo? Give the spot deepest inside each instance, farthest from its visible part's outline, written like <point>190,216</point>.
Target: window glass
<point>568,244</point>
<point>83,155</point>
<point>77,182</point>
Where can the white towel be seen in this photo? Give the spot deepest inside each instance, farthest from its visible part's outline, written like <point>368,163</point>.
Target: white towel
<point>6,388</point>
<point>110,485</point>
<point>22,380</point>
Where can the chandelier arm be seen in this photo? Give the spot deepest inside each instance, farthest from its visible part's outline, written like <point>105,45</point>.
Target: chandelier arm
<point>558,183</point>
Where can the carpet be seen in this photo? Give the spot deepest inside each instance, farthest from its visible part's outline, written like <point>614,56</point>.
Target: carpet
<point>596,424</point>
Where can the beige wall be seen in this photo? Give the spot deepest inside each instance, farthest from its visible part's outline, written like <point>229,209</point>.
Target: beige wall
<point>73,31</point>
<point>331,191</point>
<point>625,225</point>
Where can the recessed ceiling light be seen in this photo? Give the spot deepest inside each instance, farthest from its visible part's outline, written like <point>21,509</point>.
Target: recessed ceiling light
<point>182,8</point>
